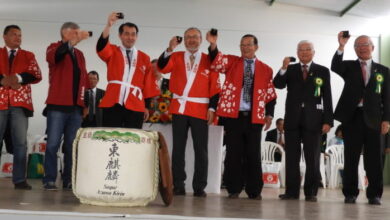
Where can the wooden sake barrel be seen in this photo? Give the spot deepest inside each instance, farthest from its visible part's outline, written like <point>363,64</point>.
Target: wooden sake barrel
<point>119,167</point>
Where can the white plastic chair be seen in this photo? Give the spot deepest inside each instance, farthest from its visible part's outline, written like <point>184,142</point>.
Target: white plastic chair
<point>362,174</point>
<point>336,157</point>
<point>268,150</point>
<point>302,166</point>
<point>322,169</point>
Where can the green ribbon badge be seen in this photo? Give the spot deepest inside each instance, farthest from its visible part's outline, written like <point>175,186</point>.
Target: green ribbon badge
<point>379,82</point>
<point>318,81</point>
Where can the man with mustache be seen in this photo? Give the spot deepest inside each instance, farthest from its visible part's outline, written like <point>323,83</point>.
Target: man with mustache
<point>195,91</point>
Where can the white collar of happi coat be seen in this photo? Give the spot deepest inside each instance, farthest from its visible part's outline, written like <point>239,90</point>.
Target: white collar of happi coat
<point>194,69</point>
<point>130,71</point>
<point>191,72</point>
<point>134,55</point>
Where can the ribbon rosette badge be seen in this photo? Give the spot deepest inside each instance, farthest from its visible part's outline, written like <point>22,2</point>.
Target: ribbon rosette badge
<point>318,82</point>
<point>379,82</point>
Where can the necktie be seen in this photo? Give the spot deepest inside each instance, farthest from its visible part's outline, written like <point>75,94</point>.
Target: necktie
<point>192,60</point>
<point>93,102</point>
<point>304,70</point>
<point>128,55</point>
<point>363,65</point>
<point>280,139</point>
<point>248,81</point>
<point>11,59</point>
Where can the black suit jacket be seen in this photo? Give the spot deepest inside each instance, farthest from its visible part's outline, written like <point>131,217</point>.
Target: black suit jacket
<point>376,107</point>
<point>99,111</point>
<point>272,136</point>
<point>318,110</point>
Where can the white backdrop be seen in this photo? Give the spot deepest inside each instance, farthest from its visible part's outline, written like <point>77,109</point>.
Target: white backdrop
<point>279,28</point>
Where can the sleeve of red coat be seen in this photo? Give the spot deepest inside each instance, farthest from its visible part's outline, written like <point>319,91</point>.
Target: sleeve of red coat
<point>215,86</point>
<point>51,53</point>
<point>169,67</point>
<point>106,53</point>
<point>271,93</point>
<point>222,63</point>
<point>151,88</point>
<point>33,68</point>
<point>85,74</point>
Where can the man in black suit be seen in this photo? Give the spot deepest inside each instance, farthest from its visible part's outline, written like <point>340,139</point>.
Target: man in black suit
<point>364,111</point>
<point>309,114</point>
<point>93,115</point>
<point>277,136</point>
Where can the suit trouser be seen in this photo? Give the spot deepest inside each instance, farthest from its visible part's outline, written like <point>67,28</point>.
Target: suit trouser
<point>311,149</point>
<point>118,116</point>
<point>357,137</point>
<point>199,132</point>
<point>243,159</point>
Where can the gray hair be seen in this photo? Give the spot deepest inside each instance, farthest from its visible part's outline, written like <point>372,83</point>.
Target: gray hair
<point>363,36</point>
<point>70,25</point>
<point>305,42</point>
<point>193,28</point>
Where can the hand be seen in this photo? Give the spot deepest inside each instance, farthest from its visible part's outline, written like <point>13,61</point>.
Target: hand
<point>268,121</point>
<point>82,35</point>
<point>342,41</point>
<point>325,128</point>
<point>85,112</point>
<point>210,117</point>
<point>112,18</point>
<point>172,44</point>
<point>385,127</point>
<point>212,39</point>
<point>286,61</point>
<point>13,79</point>
<point>146,114</point>
<point>14,82</point>
<point>16,86</point>
<point>5,81</point>
<point>79,36</point>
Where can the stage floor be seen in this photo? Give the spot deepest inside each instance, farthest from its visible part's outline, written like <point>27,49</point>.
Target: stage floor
<point>330,206</point>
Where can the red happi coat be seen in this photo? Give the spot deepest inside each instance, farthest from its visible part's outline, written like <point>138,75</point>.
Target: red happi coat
<point>24,62</point>
<point>205,84</point>
<point>61,77</point>
<point>143,83</point>
<point>229,100</point>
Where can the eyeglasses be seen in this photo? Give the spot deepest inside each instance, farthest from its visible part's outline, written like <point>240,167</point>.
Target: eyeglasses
<point>190,37</point>
<point>246,45</point>
<point>305,50</point>
<point>362,45</point>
